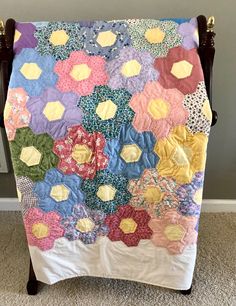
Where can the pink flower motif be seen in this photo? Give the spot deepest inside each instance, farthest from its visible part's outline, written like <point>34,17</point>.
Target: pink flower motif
<point>42,229</point>
<point>174,231</point>
<point>80,73</point>
<point>81,152</point>
<point>158,109</point>
<point>15,114</point>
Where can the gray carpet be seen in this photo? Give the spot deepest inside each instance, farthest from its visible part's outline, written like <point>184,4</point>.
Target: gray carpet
<point>214,280</point>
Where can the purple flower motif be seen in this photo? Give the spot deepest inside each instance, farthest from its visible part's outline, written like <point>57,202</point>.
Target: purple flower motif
<point>190,196</point>
<point>189,32</point>
<point>131,70</point>
<point>53,112</point>
<point>84,224</point>
<point>24,36</point>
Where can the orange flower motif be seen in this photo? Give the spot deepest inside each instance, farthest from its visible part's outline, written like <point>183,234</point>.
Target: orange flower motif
<point>182,154</point>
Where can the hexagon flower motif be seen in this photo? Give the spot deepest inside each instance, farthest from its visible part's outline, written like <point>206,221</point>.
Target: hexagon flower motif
<point>200,113</point>
<point>24,36</point>
<point>173,231</point>
<point>59,192</point>
<point>59,39</point>
<point>131,152</point>
<point>106,38</point>
<point>53,112</point>
<point>84,224</point>
<point>158,109</point>
<point>81,153</point>
<point>33,72</point>
<point>154,36</point>
<point>26,196</point>
<point>15,113</point>
<point>153,192</point>
<point>181,69</point>
<point>42,229</point>
<point>105,110</point>
<point>80,73</point>
<point>129,225</point>
<point>182,154</point>
<point>190,196</point>
<point>131,70</point>
<point>106,192</point>
<point>32,154</point>
<point>189,31</point>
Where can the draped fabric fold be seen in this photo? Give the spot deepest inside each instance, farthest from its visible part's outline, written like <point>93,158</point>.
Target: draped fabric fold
<point>108,124</point>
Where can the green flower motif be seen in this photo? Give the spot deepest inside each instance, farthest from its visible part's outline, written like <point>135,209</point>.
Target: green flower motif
<point>59,39</point>
<point>105,110</point>
<point>106,192</point>
<point>155,36</point>
<point>32,154</point>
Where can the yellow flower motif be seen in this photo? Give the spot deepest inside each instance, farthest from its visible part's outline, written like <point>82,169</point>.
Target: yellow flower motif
<point>182,154</point>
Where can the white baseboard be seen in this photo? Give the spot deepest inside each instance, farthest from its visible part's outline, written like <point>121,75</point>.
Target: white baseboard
<point>208,205</point>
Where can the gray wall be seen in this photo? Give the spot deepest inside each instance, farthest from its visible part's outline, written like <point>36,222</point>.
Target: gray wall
<point>221,165</point>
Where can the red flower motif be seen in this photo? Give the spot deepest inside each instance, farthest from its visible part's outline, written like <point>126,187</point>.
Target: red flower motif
<point>80,73</point>
<point>81,152</point>
<point>181,69</point>
<point>129,225</point>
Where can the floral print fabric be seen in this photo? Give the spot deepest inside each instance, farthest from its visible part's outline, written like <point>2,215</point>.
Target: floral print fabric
<point>108,123</point>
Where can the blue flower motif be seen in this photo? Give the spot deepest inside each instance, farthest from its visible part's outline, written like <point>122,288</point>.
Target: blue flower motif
<point>106,192</point>
<point>190,196</point>
<point>131,152</point>
<point>33,72</point>
<point>106,38</point>
<point>59,192</point>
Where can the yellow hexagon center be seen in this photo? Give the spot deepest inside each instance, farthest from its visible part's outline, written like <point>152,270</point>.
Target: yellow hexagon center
<point>106,110</point>
<point>158,109</point>
<point>54,110</point>
<point>197,198</point>
<point>58,38</point>
<point>154,35</point>
<point>40,230</point>
<point>85,225</point>
<point>59,193</point>
<point>106,193</point>
<point>174,232</point>
<point>128,225</point>
<point>206,110</point>
<point>131,68</point>
<point>131,153</point>
<point>81,154</point>
<point>17,36</point>
<point>106,38</point>
<point>182,155</point>
<point>31,71</point>
<point>30,156</point>
<point>181,69</point>
<point>153,194</point>
<point>80,72</point>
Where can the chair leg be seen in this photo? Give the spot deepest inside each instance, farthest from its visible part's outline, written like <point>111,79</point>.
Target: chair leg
<point>32,284</point>
<point>186,292</point>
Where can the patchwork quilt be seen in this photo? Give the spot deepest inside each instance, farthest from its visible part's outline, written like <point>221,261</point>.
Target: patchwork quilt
<point>108,124</point>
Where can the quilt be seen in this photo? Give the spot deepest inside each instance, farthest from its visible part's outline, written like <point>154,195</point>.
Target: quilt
<point>108,124</point>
